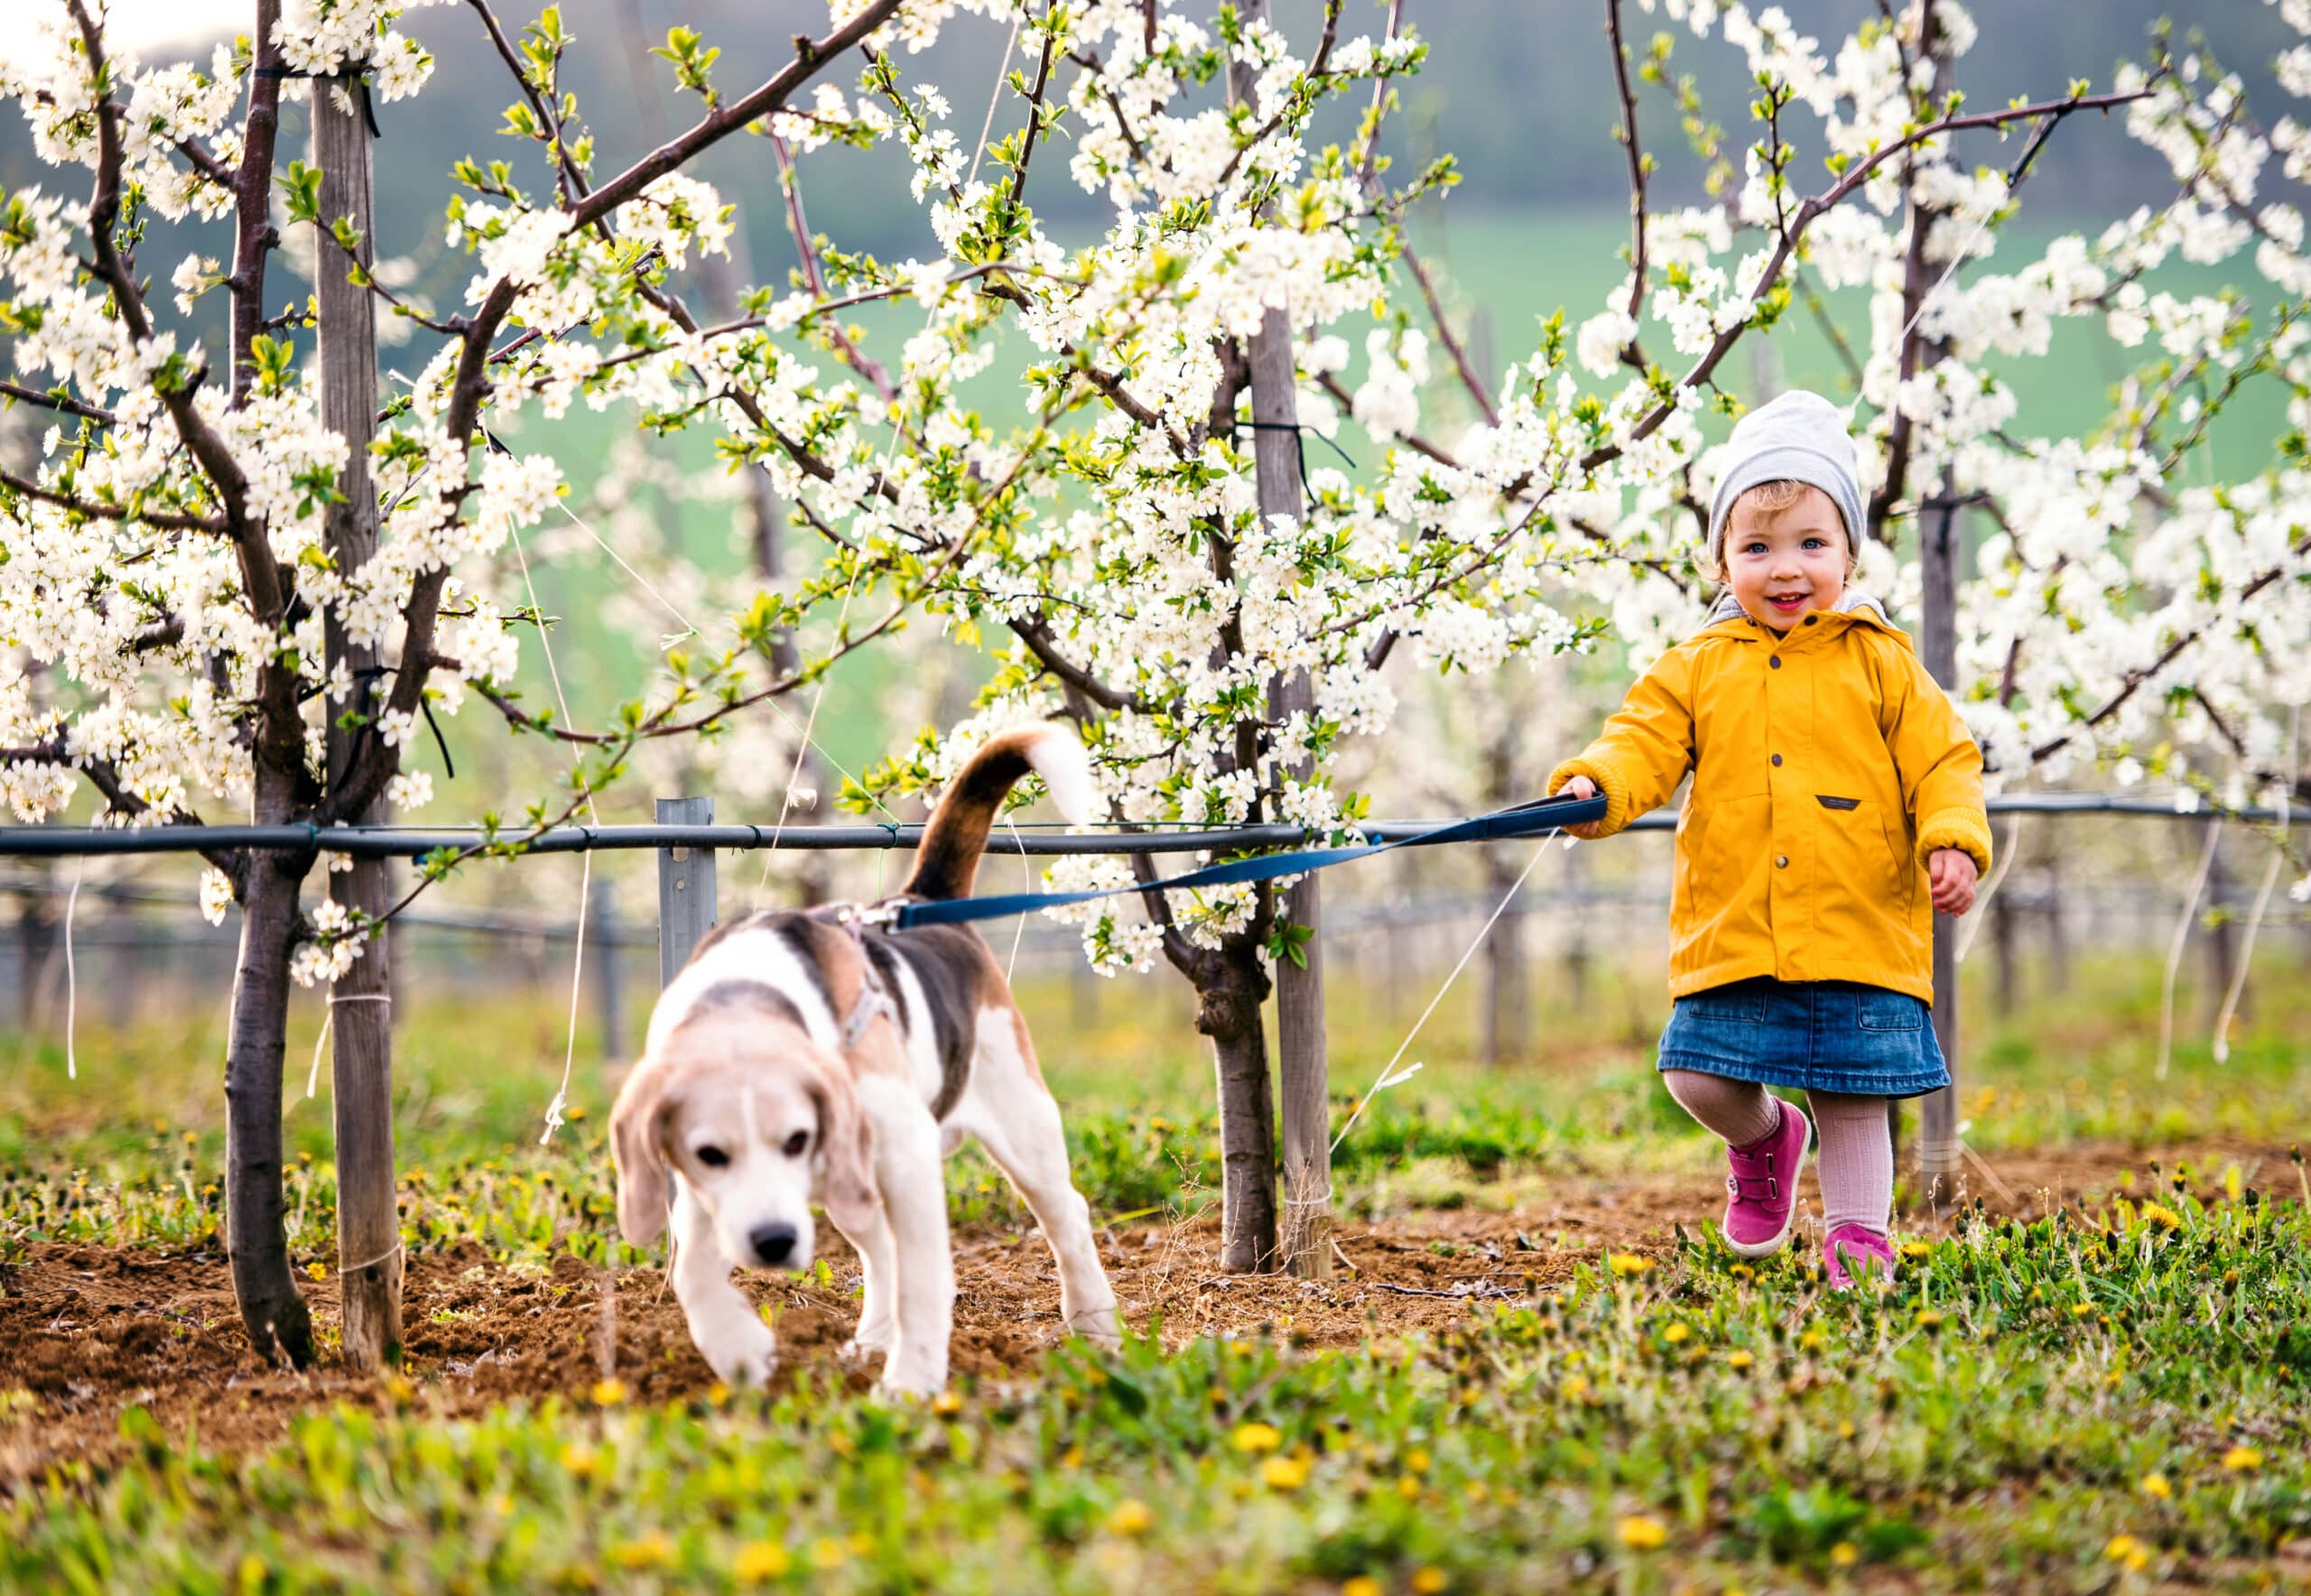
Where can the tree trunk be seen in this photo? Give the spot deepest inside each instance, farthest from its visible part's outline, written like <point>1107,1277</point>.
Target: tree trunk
<point>255,1241</point>
<point>1506,1009</point>
<point>1232,988</point>
<point>2222,937</point>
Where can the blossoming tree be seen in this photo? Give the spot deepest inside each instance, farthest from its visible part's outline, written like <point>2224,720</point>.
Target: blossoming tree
<point>1217,614</point>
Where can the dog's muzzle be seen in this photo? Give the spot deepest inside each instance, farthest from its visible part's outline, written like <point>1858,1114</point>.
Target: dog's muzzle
<point>774,1244</point>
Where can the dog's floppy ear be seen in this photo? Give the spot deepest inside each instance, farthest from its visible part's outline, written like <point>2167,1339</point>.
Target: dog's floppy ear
<point>846,1147</point>
<point>638,1136</point>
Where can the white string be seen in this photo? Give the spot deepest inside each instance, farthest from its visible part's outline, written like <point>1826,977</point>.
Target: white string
<point>604,543</point>
<point>328,1018</point>
<point>997,96</point>
<point>1389,1076</point>
<point>2175,949</point>
<point>71,978</point>
<point>1928,297</point>
<point>1970,927</point>
<point>1027,883</point>
<point>586,869</point>
<point>343,1269</point>
<point>2262,901</point>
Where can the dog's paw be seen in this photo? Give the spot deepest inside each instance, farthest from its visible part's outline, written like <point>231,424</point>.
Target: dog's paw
<point>1098,1326</point>
<point>744,1353</point>
<point>865,1345</point>
<point>913,1379</point>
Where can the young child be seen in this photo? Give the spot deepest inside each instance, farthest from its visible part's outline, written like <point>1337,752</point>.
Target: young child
<point>1836,804</point>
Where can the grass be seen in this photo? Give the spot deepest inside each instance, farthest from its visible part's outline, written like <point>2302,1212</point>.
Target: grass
<point>2100,1401</point>
<point>2053,1405</point>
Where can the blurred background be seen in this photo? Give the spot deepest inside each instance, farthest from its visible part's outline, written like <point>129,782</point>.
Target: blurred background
<point>2067,967</point>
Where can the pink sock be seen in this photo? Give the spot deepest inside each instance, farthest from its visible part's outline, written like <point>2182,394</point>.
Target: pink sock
<point>1741,1111</point>
<point>1856,1160</point>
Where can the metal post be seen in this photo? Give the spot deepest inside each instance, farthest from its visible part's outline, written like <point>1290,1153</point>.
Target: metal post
<point>685,888</point>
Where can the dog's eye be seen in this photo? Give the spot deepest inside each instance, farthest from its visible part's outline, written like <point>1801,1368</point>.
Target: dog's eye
<point>713,1157</point>
<point>796,1143</point>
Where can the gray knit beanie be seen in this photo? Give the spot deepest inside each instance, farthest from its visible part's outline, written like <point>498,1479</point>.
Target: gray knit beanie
<point>1797,437</point>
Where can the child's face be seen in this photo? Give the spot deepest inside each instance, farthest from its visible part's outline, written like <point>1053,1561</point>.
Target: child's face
<point>1782,563</point>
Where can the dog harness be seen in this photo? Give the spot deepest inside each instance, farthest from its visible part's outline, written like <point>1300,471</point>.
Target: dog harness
<point>875,999</point>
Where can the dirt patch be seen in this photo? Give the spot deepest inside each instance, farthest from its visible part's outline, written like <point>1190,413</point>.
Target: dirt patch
<point>87,1332</point>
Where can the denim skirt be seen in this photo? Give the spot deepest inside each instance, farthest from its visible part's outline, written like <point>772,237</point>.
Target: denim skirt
<point>1821,1035</point>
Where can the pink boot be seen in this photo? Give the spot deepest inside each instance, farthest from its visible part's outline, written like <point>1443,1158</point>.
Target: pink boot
<point>1853,1253</point>
<point>1761,1186</point>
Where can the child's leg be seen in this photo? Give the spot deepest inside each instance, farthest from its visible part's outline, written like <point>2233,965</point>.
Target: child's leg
<point>1857,1160</point>
<point>1740,1111</point>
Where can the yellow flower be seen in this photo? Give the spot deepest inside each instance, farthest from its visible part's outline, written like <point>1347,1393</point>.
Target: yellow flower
<point>608,1393</point>
<point>1575,1386</point>
<point>827,1554</point>
<point>2080,1310</point>
<point>1845,1554</point>
<point>2155,1485</point>
<point>1256,1437</point>
<point>1285,1473</point>
<point>654,1550</point>
<point>1676,1333</point>
<point>1427,1581</point>
<point>2158,1214</point>
<point>316,1270</point>
<point>2242,1460</point>
<point>946,1402</point>
<point>761,1562</point>
<point>1072,1458</point>
<point>2126,1549</point>
<point>1130,1516</point>
<point>1813,1339</point>
<point>1363,1584</point>
<point>1629,1263</point>
<point>1408,1487</point>
<point>1739,1359</point>
<point>579,1459</point>
<point>1918,1249</point>
<point>1417,1460</point>
<point>1929,1318</point>
<point>718,1394</point>
<point>1643,1534</point>
<point>399,1390</point>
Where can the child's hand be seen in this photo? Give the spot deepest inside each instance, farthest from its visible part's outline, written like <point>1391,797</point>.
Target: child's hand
<point>1950,871</point>
<point>1580,786</point>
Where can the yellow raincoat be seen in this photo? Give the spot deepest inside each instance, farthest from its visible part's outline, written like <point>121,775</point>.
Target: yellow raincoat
<point>1828,766</point>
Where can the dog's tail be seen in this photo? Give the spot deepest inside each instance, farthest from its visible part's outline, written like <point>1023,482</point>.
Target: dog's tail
<point>957,835</point>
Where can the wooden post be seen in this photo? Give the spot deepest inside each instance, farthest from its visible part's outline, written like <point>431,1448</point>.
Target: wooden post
<point>1304,1242</point>
<point>1937,1141</point>
<point>368,1228</point>
<point>602,933</point>
<point>685,888</point>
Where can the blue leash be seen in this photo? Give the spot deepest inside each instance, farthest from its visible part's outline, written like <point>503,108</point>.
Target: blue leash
<point>1536,817</point>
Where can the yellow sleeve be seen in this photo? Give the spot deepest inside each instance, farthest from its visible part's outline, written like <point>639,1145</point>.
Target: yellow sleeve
<point>1646,748</point>
<point>1940,769</point>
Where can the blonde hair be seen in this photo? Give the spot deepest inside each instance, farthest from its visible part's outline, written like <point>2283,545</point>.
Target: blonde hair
<point>1772,497</point>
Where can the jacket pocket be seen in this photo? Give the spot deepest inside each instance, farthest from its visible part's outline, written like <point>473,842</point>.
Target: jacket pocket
<point>1856,857</point>
<point>1739,1002</point>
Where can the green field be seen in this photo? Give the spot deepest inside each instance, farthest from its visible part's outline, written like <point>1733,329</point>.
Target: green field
<point>2108,1397</point>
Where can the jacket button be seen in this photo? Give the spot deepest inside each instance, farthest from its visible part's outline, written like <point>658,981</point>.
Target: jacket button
<point>1776,759</point>
<point>1781,861</point>
<point>1774,662</point>
<point>1812,618</point>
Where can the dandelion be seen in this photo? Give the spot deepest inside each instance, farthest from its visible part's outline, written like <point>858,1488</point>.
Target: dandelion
<point>1845,1554</point>
<point>1285,1473</point>
<point>1675,1334</point>
<point>1428,1580</point>
<point>1643,1534</point>
<point>2127,1549</point>
<point>827,1554</point>
<point>2163,1217</point>
<point>2157,1485</point>
<point>1918,1249</point>
<point>1929,1318</point>
<point>946,1403</point>
<point>608,1393</point>
<point>579,1460</point>
<point>1739,1359</point>
<point>1255,1438</point>
<point>2242,1460</point>
<point>317,1270</point>
<point>1363,1584</point>
<point>1130,1516</point>
<point>2080,1310</point>
<point>1417,1460</point>
<point>1626,1264</point>
<point>654,1550</point>
<point>760,1562</point>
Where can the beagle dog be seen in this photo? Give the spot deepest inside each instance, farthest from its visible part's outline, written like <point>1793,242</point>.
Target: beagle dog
<point>816,1056</point>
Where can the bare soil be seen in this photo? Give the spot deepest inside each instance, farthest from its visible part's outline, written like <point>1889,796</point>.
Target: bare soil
<point>88,1332</point>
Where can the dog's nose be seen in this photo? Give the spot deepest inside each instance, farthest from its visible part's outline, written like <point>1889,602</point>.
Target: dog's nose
<point>773,1244</point>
